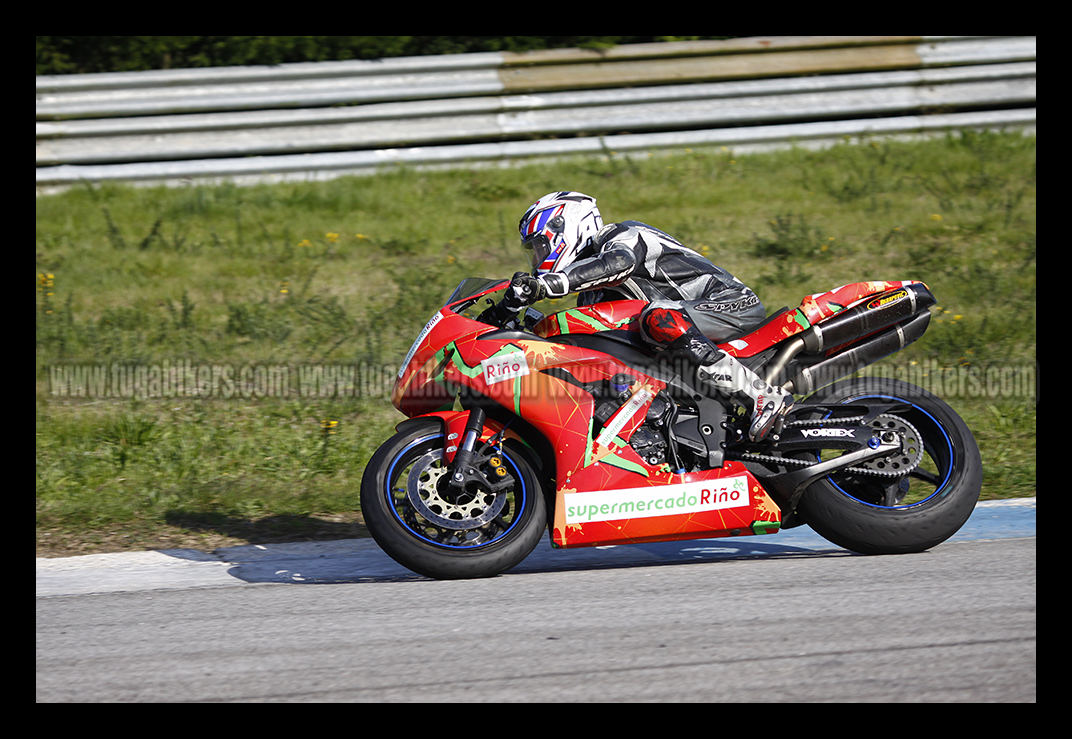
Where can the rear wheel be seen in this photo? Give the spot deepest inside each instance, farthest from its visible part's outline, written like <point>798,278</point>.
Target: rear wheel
<point>423,525</point>
<point>891,514</point>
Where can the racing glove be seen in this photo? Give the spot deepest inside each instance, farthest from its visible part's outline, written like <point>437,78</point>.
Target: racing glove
<point>524,290</point>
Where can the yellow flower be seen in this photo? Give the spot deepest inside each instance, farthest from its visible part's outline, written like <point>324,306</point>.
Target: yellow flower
<point>936,217</point>
<point>360,236</point>
<point>332,237</point>
<point>305,242</point>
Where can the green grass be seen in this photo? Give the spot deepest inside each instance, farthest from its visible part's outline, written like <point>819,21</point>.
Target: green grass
<point>345,272</point>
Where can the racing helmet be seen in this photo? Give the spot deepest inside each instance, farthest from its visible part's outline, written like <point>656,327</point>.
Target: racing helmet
<point>557,228</point>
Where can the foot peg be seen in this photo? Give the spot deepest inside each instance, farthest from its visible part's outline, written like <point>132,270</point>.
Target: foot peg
<point>770,414</point>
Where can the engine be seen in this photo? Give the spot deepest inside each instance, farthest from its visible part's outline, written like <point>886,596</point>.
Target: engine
<point>649,440</point>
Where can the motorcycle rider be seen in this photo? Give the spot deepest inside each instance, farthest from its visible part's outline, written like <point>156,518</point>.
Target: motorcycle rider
<point>692,304</point>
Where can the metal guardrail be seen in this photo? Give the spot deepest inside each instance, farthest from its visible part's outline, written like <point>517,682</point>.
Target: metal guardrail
<point>319,120</point>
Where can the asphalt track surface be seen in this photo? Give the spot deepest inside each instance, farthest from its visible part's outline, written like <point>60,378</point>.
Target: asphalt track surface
<point>783,618</point>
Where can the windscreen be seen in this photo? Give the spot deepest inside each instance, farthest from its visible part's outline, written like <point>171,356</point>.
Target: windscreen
<point>472,286</point>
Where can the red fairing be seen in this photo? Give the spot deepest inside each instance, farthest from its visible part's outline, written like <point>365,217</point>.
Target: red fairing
<point>636,500</point>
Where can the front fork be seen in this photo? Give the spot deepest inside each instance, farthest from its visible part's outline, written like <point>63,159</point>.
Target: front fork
<point>478,469</point>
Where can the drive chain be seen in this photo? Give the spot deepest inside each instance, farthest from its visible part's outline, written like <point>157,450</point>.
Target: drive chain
<point>910,457</point>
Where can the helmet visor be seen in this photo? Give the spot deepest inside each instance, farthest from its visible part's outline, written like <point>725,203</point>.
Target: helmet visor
<point>539,248</point>
<point>543,234</point>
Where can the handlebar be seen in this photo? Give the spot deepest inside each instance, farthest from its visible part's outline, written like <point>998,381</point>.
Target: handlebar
<point>497,315</point>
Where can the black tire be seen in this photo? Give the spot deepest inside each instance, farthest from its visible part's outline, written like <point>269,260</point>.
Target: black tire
<point>458,544</point>
<point>910,514</point>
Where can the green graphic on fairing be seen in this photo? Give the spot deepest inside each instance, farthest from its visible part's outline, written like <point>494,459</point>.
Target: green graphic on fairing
<point>589,320</point>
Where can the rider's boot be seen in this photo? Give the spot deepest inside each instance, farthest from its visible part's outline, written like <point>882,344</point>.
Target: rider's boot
<point>718,371</point>
<point>727,376</point>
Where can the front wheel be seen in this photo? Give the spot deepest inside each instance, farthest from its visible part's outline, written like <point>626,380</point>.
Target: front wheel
<point>892,515</point>
<point>423,525</point>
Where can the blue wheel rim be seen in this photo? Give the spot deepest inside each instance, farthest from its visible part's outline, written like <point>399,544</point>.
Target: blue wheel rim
<point>942,456</point>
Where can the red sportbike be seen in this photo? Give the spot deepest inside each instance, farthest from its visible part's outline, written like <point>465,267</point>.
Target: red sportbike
<point>570,422</point>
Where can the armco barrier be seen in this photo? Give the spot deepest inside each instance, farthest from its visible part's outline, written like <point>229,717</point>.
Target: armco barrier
<point>320,120</point>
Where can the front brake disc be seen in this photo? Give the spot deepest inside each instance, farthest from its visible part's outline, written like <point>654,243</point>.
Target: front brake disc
<point>428,492</point>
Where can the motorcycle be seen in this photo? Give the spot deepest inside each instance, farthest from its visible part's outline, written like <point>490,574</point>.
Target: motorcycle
<point>569,423</point>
